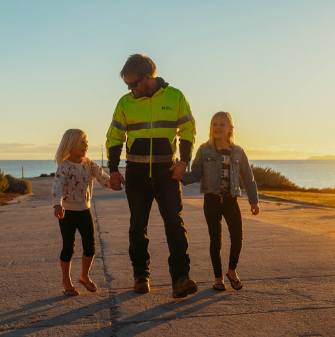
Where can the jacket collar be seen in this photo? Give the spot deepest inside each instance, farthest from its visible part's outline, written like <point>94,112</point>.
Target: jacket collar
<point>162,85</point>
<point>232,147</point>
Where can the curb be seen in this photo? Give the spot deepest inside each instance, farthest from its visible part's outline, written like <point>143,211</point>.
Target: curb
<point>19,199</point>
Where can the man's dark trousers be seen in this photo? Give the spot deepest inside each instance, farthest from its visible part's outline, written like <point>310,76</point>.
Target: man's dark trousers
<point>141,191</point>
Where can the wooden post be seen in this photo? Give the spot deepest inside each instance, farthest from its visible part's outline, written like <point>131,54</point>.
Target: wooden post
<point>22,172</point>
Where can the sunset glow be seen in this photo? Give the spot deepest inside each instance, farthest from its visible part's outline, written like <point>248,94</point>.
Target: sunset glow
<point>269,63</point>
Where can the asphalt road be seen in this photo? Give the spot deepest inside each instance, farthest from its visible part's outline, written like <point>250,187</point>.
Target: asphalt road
<point>287,267</point>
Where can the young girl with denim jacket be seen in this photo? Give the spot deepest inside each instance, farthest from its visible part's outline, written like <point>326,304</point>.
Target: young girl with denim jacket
<point>219,164</point>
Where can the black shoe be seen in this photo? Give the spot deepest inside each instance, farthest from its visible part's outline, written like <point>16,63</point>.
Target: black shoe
<point>141,284</point>
<point>183,287</point>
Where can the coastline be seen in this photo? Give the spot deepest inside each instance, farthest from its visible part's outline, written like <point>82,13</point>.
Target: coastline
<point>16,198</point>
<point>308,217</point>
<point>303,173</point>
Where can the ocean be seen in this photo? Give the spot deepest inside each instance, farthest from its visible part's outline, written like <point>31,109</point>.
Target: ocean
<point>304,173</point>
<point>34,168</point>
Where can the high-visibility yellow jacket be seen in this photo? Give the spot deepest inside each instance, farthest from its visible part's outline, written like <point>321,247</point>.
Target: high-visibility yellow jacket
<point>151,126</point>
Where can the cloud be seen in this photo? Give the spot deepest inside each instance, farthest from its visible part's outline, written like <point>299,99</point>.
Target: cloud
<point>27,148</point>
<point>280,154</point>
<point>19,151</point>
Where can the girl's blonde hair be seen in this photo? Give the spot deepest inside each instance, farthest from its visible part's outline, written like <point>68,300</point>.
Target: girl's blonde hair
<point>71,139</point>
<point>229,119</point>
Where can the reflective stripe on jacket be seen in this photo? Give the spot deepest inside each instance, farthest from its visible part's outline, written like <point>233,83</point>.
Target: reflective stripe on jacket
<point>151,126</point>
<point>207,168</point>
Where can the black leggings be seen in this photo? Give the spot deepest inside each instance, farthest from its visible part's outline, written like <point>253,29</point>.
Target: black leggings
<point>229,208</point>
<point>82,220</point>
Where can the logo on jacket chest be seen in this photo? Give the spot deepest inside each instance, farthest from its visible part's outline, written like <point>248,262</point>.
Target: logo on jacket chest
<point>166,108</point>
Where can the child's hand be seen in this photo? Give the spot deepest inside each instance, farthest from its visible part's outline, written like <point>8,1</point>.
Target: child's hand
<point>254,209</point>
<point>59,211</point>
<point>116,179</point>
<point>179,169</point>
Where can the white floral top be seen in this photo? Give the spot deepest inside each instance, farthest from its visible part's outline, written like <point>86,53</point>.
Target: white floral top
<point>73,184</point>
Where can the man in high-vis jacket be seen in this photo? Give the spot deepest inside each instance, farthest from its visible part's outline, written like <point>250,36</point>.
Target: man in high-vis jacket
<point>150,118</point>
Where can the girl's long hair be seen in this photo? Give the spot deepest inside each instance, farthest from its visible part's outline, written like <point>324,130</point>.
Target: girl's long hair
<point>71,139</point>
<point>229,119</point>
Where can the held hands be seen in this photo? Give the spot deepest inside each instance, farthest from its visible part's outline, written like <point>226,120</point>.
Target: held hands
<point>59,211</point>
<point>179,169</point>
<point>254,209</point>
<point>116,179</point>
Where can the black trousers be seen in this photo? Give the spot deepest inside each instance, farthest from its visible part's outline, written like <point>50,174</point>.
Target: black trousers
<point>214,209</point>
<point>83,221</point>
<point>141,191</point>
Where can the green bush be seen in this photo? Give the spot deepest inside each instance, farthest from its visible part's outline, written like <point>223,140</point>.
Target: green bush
<point>18,185</point>
<point>3,182</point>
<point>268,177</point>
<point>272,180</point>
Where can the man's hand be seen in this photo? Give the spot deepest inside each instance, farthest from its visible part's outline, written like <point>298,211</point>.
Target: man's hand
<point>59,211</point>
<point>116,179</point>
<point>179,169</point>
<point>254,209</point>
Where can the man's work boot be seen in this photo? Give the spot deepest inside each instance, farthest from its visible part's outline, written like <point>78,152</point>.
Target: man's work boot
<point>141,284</point>
<point>183,287</point>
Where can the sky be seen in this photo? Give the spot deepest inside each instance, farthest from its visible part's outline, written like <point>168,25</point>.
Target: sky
<point>271,64</point>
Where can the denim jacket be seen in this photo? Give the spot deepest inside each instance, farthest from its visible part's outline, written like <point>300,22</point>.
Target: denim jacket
<point>207,168</point>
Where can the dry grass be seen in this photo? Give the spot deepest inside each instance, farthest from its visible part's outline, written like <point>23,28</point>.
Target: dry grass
<point>319,198</point>
<point>12,188</point>
<point>5,197</point>
<point>274,184</point>
<point>3,182</point>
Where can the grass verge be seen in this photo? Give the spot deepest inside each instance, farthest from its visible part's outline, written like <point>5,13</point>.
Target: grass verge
<point>5,197</point>
<point>319,198</point>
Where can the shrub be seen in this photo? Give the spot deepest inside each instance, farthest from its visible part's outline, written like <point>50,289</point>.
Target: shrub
<point>270,178</point>
<point>18,185</point>
<point>3,182</point>
<point>321,190</point>
<point>43,175</point>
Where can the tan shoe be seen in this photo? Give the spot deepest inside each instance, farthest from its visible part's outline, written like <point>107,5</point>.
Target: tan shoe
<point>141,284</point>
<point>184,286</point>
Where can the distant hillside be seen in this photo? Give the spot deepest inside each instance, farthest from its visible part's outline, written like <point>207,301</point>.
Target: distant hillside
<point>329,157</point>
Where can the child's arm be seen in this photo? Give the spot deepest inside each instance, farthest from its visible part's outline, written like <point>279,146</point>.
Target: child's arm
<point>57,192</point>
<point>100,176</point>
<point>249,184</point>
<point>196,171</point>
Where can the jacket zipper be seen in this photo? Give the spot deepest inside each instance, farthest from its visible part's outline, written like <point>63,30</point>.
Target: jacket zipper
<point>150,155</point>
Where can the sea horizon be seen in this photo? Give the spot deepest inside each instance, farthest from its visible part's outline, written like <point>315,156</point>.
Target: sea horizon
<point>302,172</point>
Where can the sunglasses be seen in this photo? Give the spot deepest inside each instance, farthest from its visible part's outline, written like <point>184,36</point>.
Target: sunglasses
<point>133,84</point>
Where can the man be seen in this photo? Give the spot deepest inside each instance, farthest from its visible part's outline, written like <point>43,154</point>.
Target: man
<point>152,115</point>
